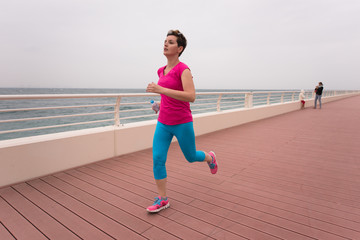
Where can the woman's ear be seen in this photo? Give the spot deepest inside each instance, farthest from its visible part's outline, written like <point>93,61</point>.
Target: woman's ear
<point>180,49</point>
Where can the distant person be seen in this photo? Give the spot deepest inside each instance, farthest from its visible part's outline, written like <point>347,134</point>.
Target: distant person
<point>176,88</point>
<point>302,99</point>
<point>318,92</point>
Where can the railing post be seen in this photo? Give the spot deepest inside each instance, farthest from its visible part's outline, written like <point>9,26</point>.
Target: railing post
<point>282,98</point>
<point>218,103</point>
<point>268,99</point>
<point>246,104</point>
<point>293,96</point>
<point>117,112</point>
<point>249,100</point>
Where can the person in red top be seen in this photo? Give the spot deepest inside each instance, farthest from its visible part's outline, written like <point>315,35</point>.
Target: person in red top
<point>177,90</point>
<point>173,111</point>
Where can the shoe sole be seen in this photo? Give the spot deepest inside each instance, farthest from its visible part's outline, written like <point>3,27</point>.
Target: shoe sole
<point>159,209</point>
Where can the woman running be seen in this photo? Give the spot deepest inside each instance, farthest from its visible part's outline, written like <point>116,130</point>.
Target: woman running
<point>177,90</point>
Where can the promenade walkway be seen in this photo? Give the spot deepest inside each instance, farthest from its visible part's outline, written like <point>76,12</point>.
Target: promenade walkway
<point>294,176</point>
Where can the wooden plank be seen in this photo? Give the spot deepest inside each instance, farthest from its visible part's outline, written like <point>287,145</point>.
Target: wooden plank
<point>113,173</point>
<point>4,233</point>
<point>120,197</point>
<point>87,210</point>
<point>49,226</point>
<point>302,218</point>
<point>158,234</point>
<point>184,207</point>
<point>73,222</point>
<point>19,226</point>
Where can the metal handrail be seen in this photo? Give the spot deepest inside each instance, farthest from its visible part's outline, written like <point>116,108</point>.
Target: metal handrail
<point>60,107</point>
<point>205,100</point>
<point>54,117</point>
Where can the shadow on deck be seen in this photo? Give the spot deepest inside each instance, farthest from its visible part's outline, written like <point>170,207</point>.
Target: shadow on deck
<point>294,176</point>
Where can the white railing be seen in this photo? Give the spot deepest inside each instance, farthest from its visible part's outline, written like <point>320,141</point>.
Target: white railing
<point>41,114</point>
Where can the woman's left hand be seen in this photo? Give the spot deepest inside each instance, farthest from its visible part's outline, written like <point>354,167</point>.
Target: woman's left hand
<point>153,87</point>
<point>186,95</point>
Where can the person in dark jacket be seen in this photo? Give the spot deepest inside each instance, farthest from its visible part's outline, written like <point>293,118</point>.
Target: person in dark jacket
<point>318,94</point>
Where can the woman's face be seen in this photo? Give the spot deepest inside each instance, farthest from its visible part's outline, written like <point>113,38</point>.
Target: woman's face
<point>171,47</point>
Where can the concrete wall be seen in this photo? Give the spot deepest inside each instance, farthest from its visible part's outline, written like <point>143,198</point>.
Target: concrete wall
<point>210,122</point>
<point>32,157</point>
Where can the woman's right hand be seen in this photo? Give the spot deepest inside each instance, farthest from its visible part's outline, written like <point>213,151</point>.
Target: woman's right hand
<point>156,107</point>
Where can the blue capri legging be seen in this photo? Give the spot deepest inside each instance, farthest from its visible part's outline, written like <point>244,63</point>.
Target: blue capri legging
<point>161,143</point>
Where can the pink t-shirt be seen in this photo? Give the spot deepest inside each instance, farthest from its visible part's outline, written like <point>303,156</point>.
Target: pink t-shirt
<point>172,111</point>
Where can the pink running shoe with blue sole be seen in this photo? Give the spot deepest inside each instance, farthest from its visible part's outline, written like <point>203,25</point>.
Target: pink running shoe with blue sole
<point>159,204</point>
<point>213,164</point>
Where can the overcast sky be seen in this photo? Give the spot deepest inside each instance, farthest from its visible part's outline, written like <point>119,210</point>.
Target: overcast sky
<point>232,44</point>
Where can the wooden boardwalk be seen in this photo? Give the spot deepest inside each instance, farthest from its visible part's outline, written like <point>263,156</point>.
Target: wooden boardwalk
<point>294,176</point>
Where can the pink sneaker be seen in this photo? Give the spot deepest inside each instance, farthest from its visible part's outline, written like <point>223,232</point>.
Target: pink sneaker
<point>159,204</point>
<point>213,164</point>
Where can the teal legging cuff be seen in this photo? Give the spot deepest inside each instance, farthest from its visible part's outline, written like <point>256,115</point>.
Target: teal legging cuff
<point>161,143</point>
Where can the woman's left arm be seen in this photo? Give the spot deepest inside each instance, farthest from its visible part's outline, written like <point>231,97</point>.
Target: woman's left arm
<point>188,95</point>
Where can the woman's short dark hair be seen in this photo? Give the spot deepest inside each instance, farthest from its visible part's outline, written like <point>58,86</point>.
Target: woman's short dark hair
<point>180,39</point>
